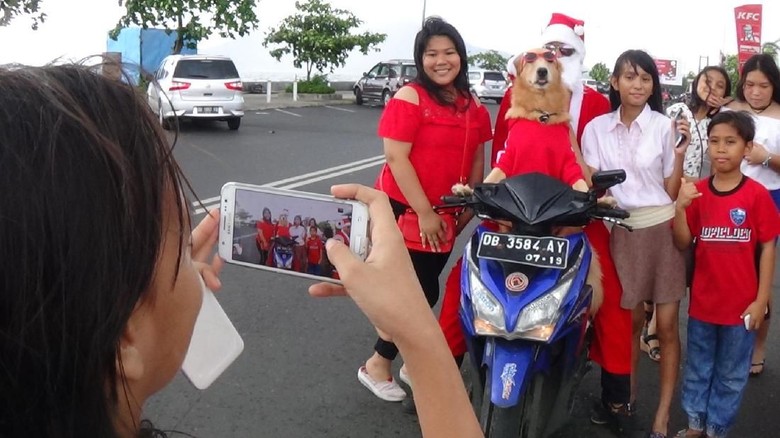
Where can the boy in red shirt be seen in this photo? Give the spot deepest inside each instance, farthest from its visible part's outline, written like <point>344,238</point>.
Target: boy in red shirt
<point>732,219</point>
<point>314,248</point>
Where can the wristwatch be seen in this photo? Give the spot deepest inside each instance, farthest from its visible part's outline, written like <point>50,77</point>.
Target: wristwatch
<point>765,163</point>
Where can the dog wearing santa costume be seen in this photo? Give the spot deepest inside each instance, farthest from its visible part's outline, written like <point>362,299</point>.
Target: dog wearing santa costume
<point>612,344</point>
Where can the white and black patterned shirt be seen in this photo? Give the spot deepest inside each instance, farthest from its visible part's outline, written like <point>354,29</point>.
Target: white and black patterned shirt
<point>697,162</point>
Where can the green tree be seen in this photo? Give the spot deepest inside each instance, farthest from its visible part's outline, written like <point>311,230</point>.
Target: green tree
<point>319,37</point>
<point>731,64</point>
<point>229,18</point>
<point>772,48</point>
<point>490,60</point>
<point>599,72</point>
<point>10,9</point>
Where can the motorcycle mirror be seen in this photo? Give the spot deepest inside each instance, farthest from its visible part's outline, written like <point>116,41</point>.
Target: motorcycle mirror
<point>605,179</point>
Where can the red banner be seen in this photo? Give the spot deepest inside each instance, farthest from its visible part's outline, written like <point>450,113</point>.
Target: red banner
<point>748,19</point>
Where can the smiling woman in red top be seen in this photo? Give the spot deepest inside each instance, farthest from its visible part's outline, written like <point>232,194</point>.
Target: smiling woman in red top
<point>433,132</point>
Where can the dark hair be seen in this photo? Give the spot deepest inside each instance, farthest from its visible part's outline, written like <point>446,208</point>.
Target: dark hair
<point>696,101</point>
<point>766,65</point>
<point>266,210</point>
<point>634,59</point>
<point>740,120</point>
<point>435,26</point>
<point>88,176</point>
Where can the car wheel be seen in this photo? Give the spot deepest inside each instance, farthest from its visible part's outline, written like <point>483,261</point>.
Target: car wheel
<point>233,124</point>
<point>163,121</point>
<point>358,96</point>
<point>386,97</point>
<point>498,100</point>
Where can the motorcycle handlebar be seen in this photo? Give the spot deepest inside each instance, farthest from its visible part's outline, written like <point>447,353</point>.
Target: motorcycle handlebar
<point>617,213</point>
<point>453,200</point>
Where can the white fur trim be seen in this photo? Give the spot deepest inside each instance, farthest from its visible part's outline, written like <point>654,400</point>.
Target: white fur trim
<point>579,30</point>
<point>510,65</point>
<point>564,34</point>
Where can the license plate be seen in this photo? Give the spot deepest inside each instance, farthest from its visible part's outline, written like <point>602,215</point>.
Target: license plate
<point>208,109</point>
<point>544,252</point>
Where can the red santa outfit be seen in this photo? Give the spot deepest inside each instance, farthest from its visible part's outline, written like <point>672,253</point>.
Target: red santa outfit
<point>611,347</point>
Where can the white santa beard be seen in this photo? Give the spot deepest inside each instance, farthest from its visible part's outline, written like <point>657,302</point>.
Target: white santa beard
<point>572,71</point>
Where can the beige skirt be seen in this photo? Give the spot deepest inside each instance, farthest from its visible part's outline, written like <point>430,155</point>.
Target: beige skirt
<point>650,267</point>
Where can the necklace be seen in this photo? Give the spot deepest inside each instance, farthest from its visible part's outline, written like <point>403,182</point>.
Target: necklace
<point>759,110</point>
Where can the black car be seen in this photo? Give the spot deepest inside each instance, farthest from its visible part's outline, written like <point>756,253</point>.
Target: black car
<point>384,79</point>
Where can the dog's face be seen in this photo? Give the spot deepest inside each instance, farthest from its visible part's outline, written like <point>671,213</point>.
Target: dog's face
<point>538,68</point>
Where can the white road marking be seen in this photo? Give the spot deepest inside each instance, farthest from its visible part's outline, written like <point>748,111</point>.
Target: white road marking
<point>287,112</point>
<point>302,180</point>
<point>339,109</point>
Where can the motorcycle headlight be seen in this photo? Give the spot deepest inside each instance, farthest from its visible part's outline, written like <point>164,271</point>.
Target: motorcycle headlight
<point>488,312</point>
<point>537,320</point>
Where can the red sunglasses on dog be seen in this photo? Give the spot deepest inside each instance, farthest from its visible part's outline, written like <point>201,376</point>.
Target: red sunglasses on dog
<point>560,50</point>
<point>548,56</point>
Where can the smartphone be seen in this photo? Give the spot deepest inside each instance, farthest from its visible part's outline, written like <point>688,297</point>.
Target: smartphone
<point>285,231</point>
<point>215,343</point>
<point>678,115</point>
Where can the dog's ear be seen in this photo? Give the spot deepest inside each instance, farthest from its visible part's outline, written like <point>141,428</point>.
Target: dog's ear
<point>519,63</point>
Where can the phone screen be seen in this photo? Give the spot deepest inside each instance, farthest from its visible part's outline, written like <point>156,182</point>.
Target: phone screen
<point>288,231</point>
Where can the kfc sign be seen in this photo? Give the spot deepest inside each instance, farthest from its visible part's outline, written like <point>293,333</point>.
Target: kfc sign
<point>748,21</point>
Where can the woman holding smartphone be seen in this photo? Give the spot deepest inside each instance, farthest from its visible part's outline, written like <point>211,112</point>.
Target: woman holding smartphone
<point>433,132</point>
<point>98,309</point>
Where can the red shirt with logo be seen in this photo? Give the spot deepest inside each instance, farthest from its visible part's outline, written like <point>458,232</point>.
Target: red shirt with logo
<point>728,227</point>
<point>443,142</point>
<point>533,146</point>
<point>314,248</point>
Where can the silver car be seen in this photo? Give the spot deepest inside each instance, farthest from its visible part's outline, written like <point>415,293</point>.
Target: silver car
<point>197,87</point>
<point>488,84</point>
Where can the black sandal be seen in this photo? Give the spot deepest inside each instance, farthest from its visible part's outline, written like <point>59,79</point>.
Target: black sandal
<point>654,353</point>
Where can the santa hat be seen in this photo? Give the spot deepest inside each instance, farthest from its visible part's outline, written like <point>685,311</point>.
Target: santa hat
<point>567,30</point>
<point>561,28</point>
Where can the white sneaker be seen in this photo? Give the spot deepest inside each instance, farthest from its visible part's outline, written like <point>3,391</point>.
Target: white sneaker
<point>404,376</point>
<point>387,390</point>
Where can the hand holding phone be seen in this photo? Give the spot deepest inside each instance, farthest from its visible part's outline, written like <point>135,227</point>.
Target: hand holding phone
<point>285,231</point>
<point>678,115</point>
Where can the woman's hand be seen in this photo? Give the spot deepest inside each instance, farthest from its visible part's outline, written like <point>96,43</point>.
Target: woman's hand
<point>431,229</point>
<point>385,286</point>
<point>204,238</point>
<point>757,154</point>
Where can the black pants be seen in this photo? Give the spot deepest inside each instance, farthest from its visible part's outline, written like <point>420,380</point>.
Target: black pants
<point>615,388</point>
<point>428,267</point>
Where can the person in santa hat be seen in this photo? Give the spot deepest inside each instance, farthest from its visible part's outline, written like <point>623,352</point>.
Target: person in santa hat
<point>611,347</point>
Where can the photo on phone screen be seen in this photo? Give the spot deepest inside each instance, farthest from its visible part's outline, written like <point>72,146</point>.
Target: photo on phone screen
<point>285,231</point>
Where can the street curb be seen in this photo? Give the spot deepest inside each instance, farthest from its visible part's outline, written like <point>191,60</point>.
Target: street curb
<point>257,102</point>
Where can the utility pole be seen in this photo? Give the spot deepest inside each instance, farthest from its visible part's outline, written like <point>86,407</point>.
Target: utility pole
<point>423,15</point>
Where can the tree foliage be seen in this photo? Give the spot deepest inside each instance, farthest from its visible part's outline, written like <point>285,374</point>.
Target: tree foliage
<point>490,60</point>
<point>319,37</point>
<point>599,72</point>
<point>229,18</point>
<point>731,64</point>
<point>772,48</point>
<point>10,9</point>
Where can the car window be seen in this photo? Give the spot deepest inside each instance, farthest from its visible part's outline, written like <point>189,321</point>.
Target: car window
<point>475,76</point>
<point>494,76</point>
<point>375,71</point>
<point>410,71</point>
<point>384,70</point>
<point>205,69</point>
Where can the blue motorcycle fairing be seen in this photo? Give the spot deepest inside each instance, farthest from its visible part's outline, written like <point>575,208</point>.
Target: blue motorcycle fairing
<point>508,364</point>
<point>542,280</point>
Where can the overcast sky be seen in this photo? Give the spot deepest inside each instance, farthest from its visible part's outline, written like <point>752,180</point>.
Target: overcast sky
<point>670,29</point>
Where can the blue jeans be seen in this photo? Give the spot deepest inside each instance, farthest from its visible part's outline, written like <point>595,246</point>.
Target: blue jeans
<point>716,372</point>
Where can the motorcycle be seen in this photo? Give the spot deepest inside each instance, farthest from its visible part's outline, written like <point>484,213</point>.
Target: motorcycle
<point>525,303</point>
<point>283,252</point>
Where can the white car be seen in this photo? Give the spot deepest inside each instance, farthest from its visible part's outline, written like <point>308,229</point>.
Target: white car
<point>488,84</point>
<point>197,87</point>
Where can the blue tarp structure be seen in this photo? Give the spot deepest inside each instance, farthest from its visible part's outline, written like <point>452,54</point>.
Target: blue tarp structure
<point>144,49</point>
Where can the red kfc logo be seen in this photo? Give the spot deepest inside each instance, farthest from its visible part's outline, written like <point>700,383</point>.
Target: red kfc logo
<point>752,16</point>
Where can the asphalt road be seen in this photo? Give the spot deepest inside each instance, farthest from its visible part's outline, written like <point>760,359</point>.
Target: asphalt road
<point>297,374</point>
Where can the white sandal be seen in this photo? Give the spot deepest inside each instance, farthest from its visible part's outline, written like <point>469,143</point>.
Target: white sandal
<point>387,390</point>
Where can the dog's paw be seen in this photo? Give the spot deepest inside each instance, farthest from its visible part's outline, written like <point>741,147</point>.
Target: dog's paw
<point>462,190</point>
<point>607,201</point>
